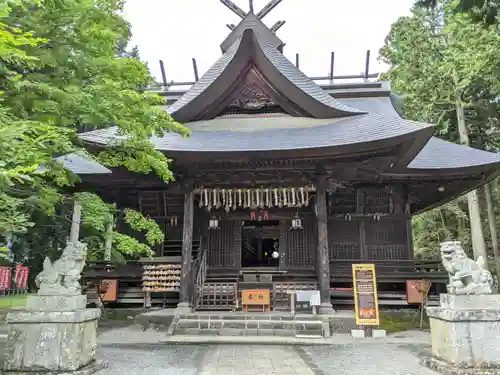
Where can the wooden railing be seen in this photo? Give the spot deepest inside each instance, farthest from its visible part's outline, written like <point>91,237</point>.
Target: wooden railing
<point>198,273</point>
<point>391,270</point>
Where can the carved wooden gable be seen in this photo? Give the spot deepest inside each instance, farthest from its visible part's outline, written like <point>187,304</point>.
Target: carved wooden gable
<point>254,95</point>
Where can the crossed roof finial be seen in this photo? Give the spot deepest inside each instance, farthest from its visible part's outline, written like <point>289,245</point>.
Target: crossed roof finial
<point>260,15</point>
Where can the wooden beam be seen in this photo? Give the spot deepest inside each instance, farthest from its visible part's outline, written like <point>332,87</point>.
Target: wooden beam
<point>195,69</point>
<point>367,64</point>
<point>250,5</point>
<point>231,26</point>
<point>297,61</point>
<point>277,26</point>
<point>268,8</point>
<point>187,248</point>
<point>75,222</point>
<point>163,75</point>
<point>332,66</point>
<point>234,8</point>
<point>323,260</point>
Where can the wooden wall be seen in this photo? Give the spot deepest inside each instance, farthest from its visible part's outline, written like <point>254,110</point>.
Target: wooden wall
<point>224,245</point>
<point>354,230</point>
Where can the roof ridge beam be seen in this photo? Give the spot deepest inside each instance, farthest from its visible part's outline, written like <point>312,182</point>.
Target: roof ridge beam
<point>268,8</point>
<point>234,8</point>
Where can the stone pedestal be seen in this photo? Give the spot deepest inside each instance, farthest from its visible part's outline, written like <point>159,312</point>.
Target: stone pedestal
<point>53,334</point>
<point>465,333</point>
<point>183,308</point>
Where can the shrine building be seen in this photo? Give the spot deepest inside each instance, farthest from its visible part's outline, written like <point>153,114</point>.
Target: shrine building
<point>285,183</point>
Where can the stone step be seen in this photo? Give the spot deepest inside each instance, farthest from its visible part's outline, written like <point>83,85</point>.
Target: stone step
<point>247,332</point>
<point>249,316</point>
<point>249,327</point>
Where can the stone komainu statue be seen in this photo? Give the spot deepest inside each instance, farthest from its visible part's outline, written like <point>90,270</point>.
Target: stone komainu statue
<point>63,276</point>
<point>466,276</point>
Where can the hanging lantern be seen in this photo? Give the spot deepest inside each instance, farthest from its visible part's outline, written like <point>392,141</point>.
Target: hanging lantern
<point>296,223</point>
<point>213,223</point>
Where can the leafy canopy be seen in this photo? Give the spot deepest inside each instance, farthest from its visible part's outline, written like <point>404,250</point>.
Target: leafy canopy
<point>66,70</point>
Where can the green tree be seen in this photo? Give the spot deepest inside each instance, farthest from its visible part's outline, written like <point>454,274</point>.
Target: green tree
<point>74,76</point>
<point>444,62</point>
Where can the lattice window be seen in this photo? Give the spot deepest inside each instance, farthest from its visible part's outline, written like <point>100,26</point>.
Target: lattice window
<point>386,232</point>
<point>341,201</point>
<point>386,240</point>
<point>152,203</point>
<point>377,200</point>
<point>302,245</point>
<point>387,252</point>
<point>222,251</point>
<point>343,239</point>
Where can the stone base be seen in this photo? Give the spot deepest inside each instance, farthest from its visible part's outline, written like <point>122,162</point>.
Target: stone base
<point>358,333</point>
<point>51,341</point>
<point>90,369</point>
<point>56,303</point>
<point>443,367</point>
<point>465,331</point>
<point>183,308</point>
<point>326,309</point>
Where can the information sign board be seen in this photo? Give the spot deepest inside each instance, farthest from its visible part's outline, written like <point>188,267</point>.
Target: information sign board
<point>365,294</point>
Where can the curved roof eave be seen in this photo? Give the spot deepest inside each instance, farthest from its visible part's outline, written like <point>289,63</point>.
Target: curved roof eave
<point>472,185</point>
<point>342,135</point>
<point>280,72</point>
<point>446,158</point>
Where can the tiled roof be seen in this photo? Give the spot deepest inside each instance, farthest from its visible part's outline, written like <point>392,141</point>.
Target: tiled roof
<point>340,132</point>
<point>206,80</point>
<point>80,165</point>
<point>251,21</point>
<point>381,105</point>
<point>283,68</point>
<point>439,154</point>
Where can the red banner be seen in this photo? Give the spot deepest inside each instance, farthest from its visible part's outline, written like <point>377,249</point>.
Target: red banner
<point>21,278</point>
<point>5,278</point>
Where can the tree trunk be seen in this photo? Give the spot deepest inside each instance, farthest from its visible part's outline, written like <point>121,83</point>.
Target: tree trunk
<point>493,228</point>
<point>478,244</point>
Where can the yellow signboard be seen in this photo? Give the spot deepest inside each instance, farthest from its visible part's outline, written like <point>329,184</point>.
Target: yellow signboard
<point>365,294</point>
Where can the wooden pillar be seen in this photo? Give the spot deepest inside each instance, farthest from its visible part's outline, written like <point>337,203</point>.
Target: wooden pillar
<point>187,249</point>
<point>75,222</point>
<point>323,254</point>
<point>360,209</point>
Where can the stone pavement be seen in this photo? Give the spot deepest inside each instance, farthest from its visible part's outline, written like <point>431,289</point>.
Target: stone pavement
<point>129,351</point>
<point>251,360</point>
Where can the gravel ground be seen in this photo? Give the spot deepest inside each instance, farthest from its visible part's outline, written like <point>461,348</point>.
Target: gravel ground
<point>129,351</point>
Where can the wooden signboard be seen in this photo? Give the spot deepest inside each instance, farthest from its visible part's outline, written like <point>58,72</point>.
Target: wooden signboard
<point>109,290</point>
<point>417,291</point>
<point>365,294</point>
<point>256,297</point>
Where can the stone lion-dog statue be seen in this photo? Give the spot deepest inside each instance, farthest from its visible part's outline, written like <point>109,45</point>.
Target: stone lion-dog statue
<point>466,275</point>
<point>62,277</point>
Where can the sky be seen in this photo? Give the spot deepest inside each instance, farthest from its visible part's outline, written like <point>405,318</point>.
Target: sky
<point>175,31</point>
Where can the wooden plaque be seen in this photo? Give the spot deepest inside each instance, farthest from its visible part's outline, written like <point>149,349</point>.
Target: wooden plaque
<point>253,297</point>
<point>417,291</point>
<point>109,290</point>
<point>365,294</point>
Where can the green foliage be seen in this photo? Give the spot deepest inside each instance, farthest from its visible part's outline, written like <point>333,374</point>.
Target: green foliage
<point>97,215</point>
<point>65,70</point>
<point>139,223</point>
<point>441,56</point>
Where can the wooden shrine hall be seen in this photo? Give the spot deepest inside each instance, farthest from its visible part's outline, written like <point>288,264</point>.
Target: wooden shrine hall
<point>283,184</point>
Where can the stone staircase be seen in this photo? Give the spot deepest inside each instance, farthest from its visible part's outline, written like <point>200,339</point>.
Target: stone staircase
<point>238,324</point>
